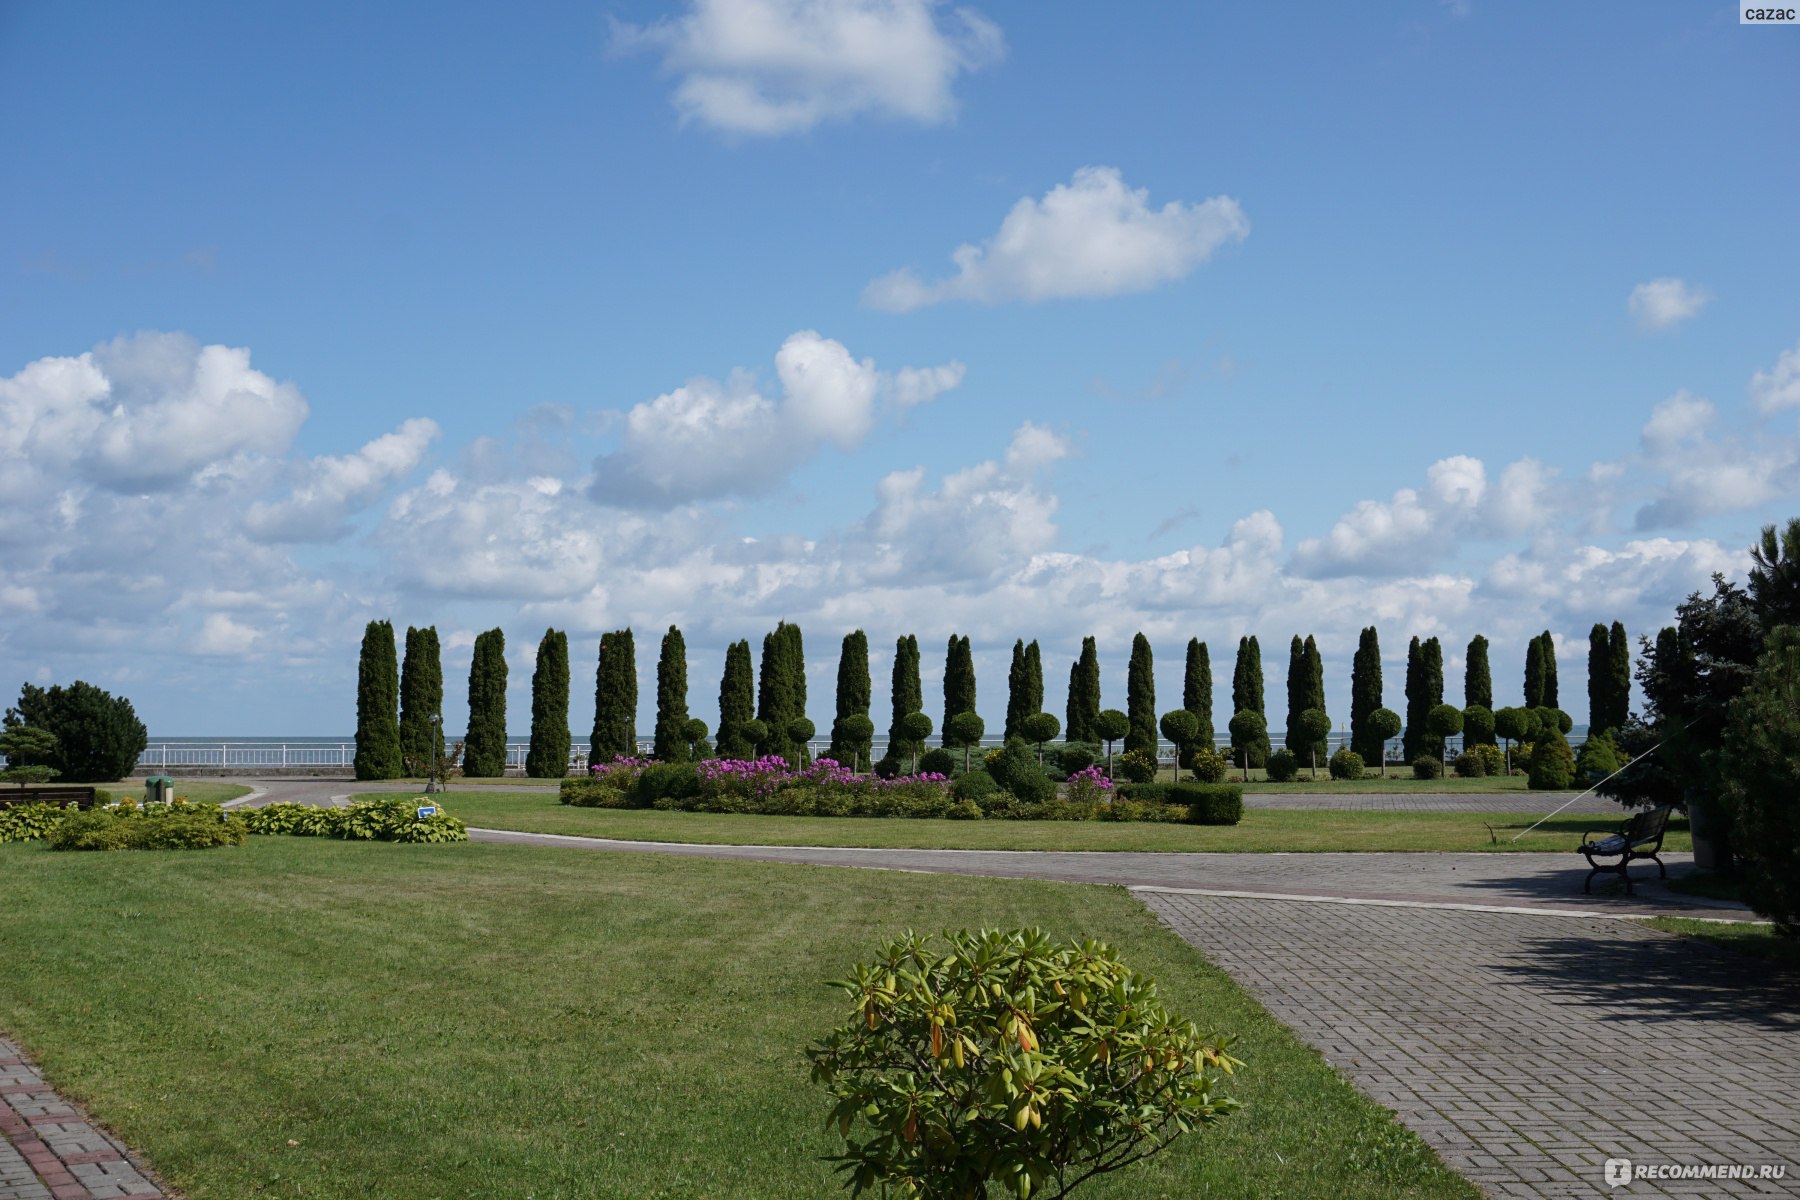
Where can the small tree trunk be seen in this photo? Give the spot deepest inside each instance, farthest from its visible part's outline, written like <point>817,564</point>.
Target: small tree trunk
<point>1315,761</point>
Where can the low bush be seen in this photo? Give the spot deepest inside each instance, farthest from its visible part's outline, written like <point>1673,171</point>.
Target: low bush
<point>1493,759</point>
<point>1282,766</point>
<point>1346,764</point>
<point>1597,758</point>
<point>888,767</point>
<point>1073,757</point>
<point>1202,803</point>
<point>965,810</point>
<point>1427,766</point>
<point>1207,764</point>
<point>27,822</point>
<point>939,761</point>
<point>1137,766</point>
<point>1088,786</point>
<point>193,827</point>
<point>1044,1062</point>
<point>1468,765</point>
<point>975,787</point>
<point>389,820</point>
<point>1017,772</point>
<point>660,781</point>
<point>1552,764</point>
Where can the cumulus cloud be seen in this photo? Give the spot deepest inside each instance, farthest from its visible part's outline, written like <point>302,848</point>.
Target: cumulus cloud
<point>1779,387</point>
<point>1698,473</point>
<point>1092,236</point>
<point>771,67</point>
<point>1665,303</point>
<point>708,439</point>
<point>331,488</point>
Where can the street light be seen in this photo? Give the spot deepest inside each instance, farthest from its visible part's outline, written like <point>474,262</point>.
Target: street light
<point>437,755</point>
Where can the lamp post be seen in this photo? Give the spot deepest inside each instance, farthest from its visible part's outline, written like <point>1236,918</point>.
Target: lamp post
<point>436,755</point>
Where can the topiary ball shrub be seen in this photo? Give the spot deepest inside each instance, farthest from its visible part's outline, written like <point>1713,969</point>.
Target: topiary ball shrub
<point>1072,757</point>
<point>939,761</point>
<point>887,767</point>
<point>1468,765</point>
<point>1206,764</point>
<point>1552,765</point>
<point>1346,764</point>
<point>1002,1059</point>
<point>1137,766</point>
<point>1017,772</point>
<point>977,786</point>
<point>1427,767</point>
<point>1597,758</point>
<point>1282,766</point>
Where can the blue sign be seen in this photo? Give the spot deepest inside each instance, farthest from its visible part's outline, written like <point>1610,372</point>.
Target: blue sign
<point>427,810</point>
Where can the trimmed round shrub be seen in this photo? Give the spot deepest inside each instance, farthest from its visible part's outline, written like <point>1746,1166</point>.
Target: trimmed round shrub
<point>976,786</point>
<point>1427,767</point>
<point>1552,766</point>
<point>1138,766</point>
<point>1206,764</point>
<point>662,781</point>
<point>1597,758</point>
<point>938,761</point>
<point>1346,764</point>
<point>1468,765</point>
<point>1072,757</point>
<point>1017,772</point>
<point>1282,766</point>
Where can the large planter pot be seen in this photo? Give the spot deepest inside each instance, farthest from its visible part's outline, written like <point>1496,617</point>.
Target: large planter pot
<point>1712,849</point>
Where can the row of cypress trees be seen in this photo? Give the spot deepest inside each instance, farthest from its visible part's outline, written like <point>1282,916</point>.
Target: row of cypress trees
<point>765,713</point>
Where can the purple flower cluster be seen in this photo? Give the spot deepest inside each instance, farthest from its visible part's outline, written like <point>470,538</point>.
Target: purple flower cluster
<point>1092,777</point>
<point>621,770</point>
<point>771,773</point>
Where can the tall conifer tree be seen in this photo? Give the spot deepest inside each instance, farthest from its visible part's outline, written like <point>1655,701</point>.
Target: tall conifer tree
<point>1618,666</point>
<point>1140,697</point>
<point>854,694</point>
<point>421,698</point>
<point>378,705</point>
<point>1599,680</point>
<point>484,747</point>
<point>548,755</point>
<point>907,692</point>
<point>1313,694</point>
<point>1551,696</point>
<point>615,699</point>
<point>1016,685</point>
<point>959,683</point>
<point>1084,695</point>
<point>1034,678</point>
<point>1478,686</point>
<point>781,691</point>
<point>1247,696</point>
<point>1365,696</point>
<point>1196,691</point>
<point>1534,673</point>
<point>737,702</point>
<point>1413,735</point>
<point>1296,695</point>
<point>1431,659</point>
<point>671,699</point>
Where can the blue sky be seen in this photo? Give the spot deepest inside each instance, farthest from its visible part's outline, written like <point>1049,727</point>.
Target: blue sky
<point>1450,318</point>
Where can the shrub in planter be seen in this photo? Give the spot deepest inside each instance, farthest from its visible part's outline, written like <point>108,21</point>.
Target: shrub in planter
<point>1468,765</point>
<point>938,761</point>
<point>1017,772</point>
<point>1206,764</point>
<point>1004,1059</point>
<point>976,786</point>
<point>1282,766</point>
<point>1427,766</point>
<point>1138,766</point>
<point>1346,764</point>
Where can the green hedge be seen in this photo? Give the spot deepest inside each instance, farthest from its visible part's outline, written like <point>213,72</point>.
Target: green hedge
<point>1206,803</point>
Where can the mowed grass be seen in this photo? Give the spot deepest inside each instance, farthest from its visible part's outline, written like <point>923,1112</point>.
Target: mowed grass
<point>200,791</point>
<point>1741,936</point>
<point>1263,830</point>
<point>1400,782</point>
<point>308,1018</point>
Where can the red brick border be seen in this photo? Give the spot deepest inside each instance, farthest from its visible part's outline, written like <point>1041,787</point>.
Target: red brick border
<point>73,1158</point>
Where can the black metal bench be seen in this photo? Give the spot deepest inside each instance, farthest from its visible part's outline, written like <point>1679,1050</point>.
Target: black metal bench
<point>1639,837</point>
<point>80,797</point>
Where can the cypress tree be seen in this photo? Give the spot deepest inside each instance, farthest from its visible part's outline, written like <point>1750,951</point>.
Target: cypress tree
<point>671,699</point>
<point>1550,692</point>
<point>1365,696</point>
<point>378,705</point>
<point>781,691</point>
<point>1034,679</point>
<point>1196,691</point>
<point>1016,685</point>
<point>737,702</point>
<point>1247,696</point>
<point>1478,680</point>
<point>854,693</point>
<point>1599,680</point>
<point>1431,657</point>
<point>548,757</point>
<point>1140,697</point>
<point>1534,673</point>
<point>907,692</point>
<point>1413,735</point>
<point>1618,665</point>
<point>615,699</point>
<point>1296,695</point>
<point>959,684</point>
<point>1084,696</point>
<point>421,698</point>
<point>1314,692</point>
<point>484,746</point>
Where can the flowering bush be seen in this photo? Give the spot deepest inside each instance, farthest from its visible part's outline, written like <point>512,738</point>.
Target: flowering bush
<point>1088,786</point>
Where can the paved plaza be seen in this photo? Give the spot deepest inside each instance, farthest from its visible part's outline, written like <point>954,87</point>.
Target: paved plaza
<point>49,1150</point>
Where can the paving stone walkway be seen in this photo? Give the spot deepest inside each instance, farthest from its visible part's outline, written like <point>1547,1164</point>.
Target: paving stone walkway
<point>49,1150</point>
<point>1529,1049</point>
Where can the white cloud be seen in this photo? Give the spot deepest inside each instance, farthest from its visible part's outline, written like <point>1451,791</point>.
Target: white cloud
<point>1680,419</point>
<point>330,489</point>
<point>1703,475</point>
<point>1092,236</point>
<point>707,439</point>
<point>220,635</point>
<point>1665,303</point>
<point>1778,388</point>
<point>770,67</point>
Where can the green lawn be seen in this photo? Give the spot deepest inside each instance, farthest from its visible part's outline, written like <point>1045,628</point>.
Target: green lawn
<point>1742,936</point>
<point>303,1018</point>
<point>1406,785</point>
<point>1288,830</point>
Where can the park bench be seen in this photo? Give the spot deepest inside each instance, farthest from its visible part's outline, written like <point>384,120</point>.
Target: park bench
<point>1639,837</point>
<point>81,797</point>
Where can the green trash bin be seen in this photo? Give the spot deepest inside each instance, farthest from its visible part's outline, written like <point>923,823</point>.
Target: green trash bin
<point>158,789</point>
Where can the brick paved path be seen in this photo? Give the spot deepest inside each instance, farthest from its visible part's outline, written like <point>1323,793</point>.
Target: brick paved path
<point>49,1151</point>
<point>1529,1049</point>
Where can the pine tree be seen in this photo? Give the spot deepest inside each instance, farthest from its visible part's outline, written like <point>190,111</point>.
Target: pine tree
<point>1016,684</point>
<point>1034,678</point>
<point>671,699</point>
<point>1196,692</point>
<point>854,693</point>
<point>1140,697</point>
<point>548,756</point>
<point>378,705</point>
<point>484,746</point>
<point>615,699</point>
<point>1083,724</point>
<point>907,692</point>
<point>1618,664</point>
<point>421,698</point>
<point>1550,692</point>
<point>1534,673</point>
<point>959,684</point>
<point>1296,695</point>
<point>737,702</point>
<point>1365,696</point>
